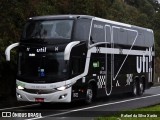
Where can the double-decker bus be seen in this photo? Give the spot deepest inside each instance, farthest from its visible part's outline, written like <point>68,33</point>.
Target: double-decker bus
<point>62,58</point>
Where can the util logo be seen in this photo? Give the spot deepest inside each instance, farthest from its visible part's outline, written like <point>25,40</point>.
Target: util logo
<point>144,63</point>
<point>43,49</point>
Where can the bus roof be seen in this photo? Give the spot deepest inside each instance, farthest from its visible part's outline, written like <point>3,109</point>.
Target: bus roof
<point>60,17</point>
<point>48,17</point>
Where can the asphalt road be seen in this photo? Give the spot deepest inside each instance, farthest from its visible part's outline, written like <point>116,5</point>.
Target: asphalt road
<point>78,110</point>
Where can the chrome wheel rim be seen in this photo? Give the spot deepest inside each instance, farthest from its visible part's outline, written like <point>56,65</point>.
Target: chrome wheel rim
<point>135,90</point>
<point>89,94</point>
<point>141,87</point>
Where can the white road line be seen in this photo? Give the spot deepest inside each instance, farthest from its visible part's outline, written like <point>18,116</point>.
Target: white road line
<point>155,87</point>
<point>19,107</point>
<point>107,104</point>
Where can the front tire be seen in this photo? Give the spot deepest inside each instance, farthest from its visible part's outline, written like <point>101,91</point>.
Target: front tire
<point>89,94</point>
<point>135,89</point>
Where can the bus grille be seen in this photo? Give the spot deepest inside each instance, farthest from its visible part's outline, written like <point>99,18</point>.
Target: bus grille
<point>36,91</point>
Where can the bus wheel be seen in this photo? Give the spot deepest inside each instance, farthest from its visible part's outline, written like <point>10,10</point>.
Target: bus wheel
<point>89,94</point>
<point>140,88</point>
<point>134,89</point>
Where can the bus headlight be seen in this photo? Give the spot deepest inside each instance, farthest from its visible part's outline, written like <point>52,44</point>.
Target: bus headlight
<point>20,87</point>
<point>63,87</point>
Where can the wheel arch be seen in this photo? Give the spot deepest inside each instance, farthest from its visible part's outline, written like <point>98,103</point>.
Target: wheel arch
<point>136,79</point>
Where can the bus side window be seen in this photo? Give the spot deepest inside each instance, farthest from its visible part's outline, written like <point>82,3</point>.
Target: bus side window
<point>82,28</point>
<point>131,35</point>
<point>140,39</point>
<point>122,36</point>
<point>98,31</point>
<point>75,66</point>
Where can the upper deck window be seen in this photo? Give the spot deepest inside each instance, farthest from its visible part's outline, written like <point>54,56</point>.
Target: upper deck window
<point>82,28</point>
<point>48,29</point>
<point>98,31</point>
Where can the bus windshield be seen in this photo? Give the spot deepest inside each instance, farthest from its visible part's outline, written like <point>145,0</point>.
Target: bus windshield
<point>48,67</point>
<point>48,29</point>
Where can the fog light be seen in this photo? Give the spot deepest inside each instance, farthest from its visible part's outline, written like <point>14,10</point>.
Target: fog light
<point>19,96</point>
<point>62,96</point>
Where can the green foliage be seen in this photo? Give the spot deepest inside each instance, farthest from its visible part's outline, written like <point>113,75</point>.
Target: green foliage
<point>151,111</point>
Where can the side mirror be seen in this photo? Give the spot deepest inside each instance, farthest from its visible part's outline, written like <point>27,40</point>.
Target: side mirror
<point>68,49</point>
<point>8,49</point>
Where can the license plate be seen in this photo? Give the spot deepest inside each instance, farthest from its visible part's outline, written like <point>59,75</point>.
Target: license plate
<point>39,99</point>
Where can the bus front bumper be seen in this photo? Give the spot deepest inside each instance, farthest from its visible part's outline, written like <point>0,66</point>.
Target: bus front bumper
<point>58,96</point>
